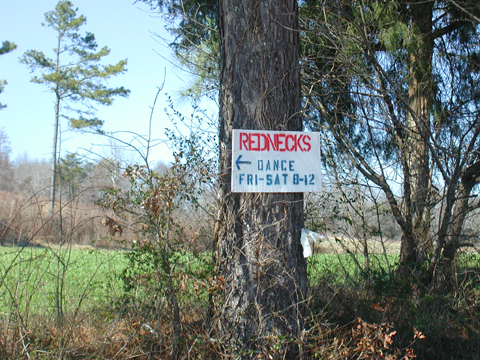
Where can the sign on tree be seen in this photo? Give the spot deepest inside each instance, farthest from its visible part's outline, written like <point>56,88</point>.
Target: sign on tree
<point>275,161</point>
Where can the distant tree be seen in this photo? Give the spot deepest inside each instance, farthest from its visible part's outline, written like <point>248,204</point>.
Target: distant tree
<point>6,173</point>
<point>74,75</point>
<point>107,173</point>
<point>7,47</point>
<point>73,170</point>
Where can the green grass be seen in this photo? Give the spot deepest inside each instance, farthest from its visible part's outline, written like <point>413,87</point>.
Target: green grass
<point>339,268</point>
<point>88,280</point>
<point>31,279</point>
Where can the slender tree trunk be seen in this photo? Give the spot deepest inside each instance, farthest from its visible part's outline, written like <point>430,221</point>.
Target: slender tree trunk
<point>58,98</point>
<point>444,274</point>
<point>54,156</point>
<point>259,254</point>
<point>450,239</point>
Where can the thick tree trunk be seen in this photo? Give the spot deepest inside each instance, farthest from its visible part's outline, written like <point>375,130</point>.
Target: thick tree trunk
<point>259,254</point>
<point>416,247</point>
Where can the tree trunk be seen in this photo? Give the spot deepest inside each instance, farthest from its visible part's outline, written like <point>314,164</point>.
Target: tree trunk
<point>56,127</point>
<point>417,245</point>
<point>259,254</point>
<point>442,267</point>
<point>54,156</point>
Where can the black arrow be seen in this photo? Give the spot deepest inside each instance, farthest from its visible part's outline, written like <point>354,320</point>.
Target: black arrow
<point>238,162</point>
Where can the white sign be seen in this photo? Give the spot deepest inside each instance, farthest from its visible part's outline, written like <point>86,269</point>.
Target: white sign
<point>275,161</point>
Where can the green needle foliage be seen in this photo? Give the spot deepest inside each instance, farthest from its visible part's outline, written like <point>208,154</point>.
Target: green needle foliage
<point>7,47</point>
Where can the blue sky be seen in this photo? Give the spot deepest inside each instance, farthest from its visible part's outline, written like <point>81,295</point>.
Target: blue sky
<point>123,27</point>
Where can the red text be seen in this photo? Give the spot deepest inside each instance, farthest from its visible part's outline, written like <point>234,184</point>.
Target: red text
<point>275,142</point>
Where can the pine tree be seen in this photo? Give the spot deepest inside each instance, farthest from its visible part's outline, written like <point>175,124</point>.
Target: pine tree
<point>73,170</point>
<point>75,75</point>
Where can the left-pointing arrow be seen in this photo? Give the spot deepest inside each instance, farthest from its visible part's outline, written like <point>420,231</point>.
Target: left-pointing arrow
<point>238,162</point>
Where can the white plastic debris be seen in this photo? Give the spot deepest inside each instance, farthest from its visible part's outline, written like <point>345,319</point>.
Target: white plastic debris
<point>308,236</point>
<point>307,250</point>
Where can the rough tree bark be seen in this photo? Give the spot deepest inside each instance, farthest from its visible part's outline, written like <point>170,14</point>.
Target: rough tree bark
<point>259,254</point>
<point>415,148</point>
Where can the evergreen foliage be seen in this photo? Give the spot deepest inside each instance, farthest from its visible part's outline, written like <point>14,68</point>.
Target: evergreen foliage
<point>73,170</point>
<point>7,47</point>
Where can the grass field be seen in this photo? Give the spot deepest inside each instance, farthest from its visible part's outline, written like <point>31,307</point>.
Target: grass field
<point>33,280</point>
